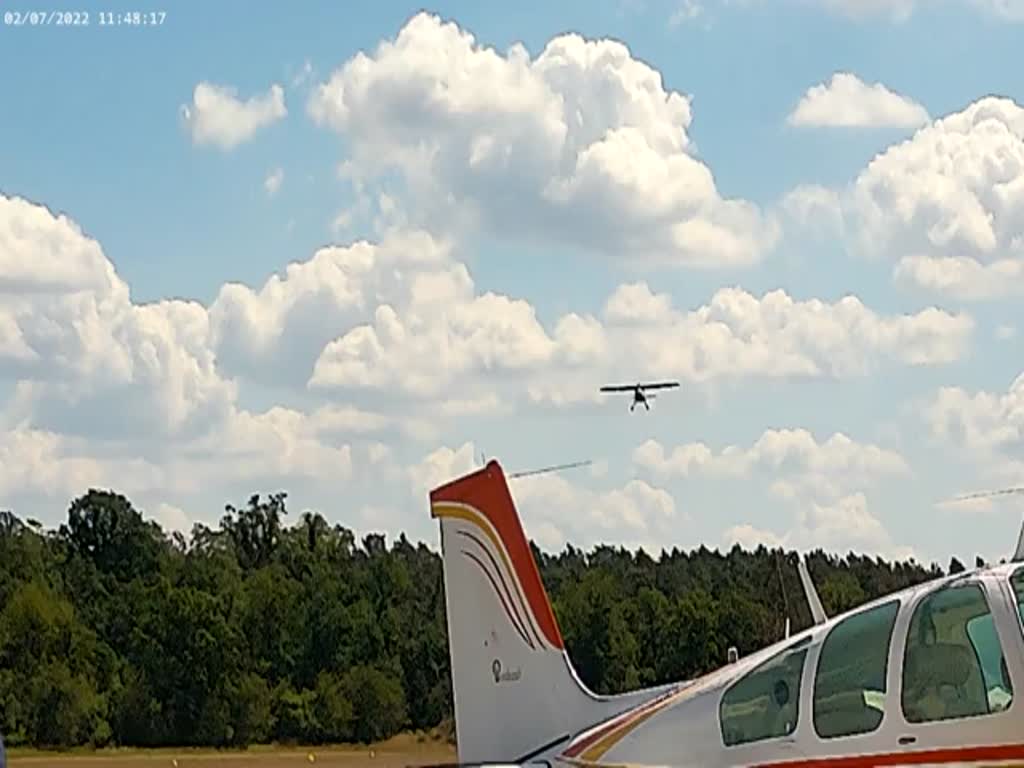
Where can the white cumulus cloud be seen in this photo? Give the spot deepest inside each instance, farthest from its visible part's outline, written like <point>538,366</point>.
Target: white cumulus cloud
<point>848,102</point>
<point>279,331</point>
<point>992,423</point>
<point>944,207</point>
<point>821,482</point>
<point>556,511</point>
<point>739,334</point>
<point>963,277</point>
<point>217,116</point>
<point>842,526</point>
<point>955,200</point>
<point>441,466</point>
<point>91,359</point>
<point>476,342</point>
<point>105,392</point>
<point>52,465</point>
<point>581,145</point>
<point>786,451</point>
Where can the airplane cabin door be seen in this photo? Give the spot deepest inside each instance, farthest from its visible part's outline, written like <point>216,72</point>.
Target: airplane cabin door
<point>958,678</point>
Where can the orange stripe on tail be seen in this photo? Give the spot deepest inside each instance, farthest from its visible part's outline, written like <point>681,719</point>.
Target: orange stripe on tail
<point>487,491</point>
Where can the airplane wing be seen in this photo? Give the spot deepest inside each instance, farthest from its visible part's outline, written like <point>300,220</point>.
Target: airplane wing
<point>619,388</point>
<point>660,385</point>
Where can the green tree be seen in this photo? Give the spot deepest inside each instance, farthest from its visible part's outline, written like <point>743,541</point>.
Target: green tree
<point>378,703</point>
<point>255,630</point>
<point>105,528</point>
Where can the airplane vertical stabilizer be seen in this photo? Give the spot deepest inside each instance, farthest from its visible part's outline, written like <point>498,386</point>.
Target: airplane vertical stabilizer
<point>813,601</point>
<point>516,693</point>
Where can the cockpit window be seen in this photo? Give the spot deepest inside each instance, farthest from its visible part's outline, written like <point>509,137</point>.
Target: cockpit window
<point>764,704</point>
<point>849,686</point>
<point>1017,580</point>
<point>954,665</point>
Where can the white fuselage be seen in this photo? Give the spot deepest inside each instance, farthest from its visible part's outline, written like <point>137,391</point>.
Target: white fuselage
<point>931,675</point>
<point>939,702</point>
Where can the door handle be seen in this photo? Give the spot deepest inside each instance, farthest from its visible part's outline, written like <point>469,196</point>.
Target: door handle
<point>905,740</point>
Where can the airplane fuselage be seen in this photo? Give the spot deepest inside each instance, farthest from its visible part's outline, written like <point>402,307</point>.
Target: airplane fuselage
<point>930,675</point>
<point>639,398</point>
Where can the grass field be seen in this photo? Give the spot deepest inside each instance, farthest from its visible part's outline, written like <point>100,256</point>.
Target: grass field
<point>399,752</point>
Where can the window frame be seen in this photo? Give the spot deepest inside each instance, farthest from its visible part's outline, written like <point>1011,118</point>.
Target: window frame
<point>890,648</point>
<point>1004,672</point>
<point>1015,604</point>
<point>805,645</point>
<point>993,603</point>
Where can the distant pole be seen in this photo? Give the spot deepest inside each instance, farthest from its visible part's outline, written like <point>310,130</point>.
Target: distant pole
<point>782,584</point>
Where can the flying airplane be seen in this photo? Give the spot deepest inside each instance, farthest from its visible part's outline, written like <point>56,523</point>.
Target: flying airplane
<point>930,675</point>
<point>638,389</point>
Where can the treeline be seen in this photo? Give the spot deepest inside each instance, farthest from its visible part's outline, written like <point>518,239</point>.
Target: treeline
<point>115,632</point>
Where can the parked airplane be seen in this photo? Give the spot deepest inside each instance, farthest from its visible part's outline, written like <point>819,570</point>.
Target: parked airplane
<point>925,676</point>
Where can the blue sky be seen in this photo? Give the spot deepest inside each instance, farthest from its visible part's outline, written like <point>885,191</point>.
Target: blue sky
<point>919,379</point>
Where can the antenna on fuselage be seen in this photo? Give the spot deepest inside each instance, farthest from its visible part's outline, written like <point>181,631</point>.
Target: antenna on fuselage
<point>813,601</point>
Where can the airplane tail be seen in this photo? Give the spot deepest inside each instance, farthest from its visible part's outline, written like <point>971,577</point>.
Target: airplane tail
<point>517,696</point>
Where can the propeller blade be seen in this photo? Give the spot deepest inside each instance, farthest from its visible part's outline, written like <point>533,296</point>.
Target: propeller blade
<point>556,468</point>
<point>988,494</point>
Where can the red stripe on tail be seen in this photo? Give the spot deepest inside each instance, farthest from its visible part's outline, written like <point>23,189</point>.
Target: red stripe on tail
<point>487,491</point>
